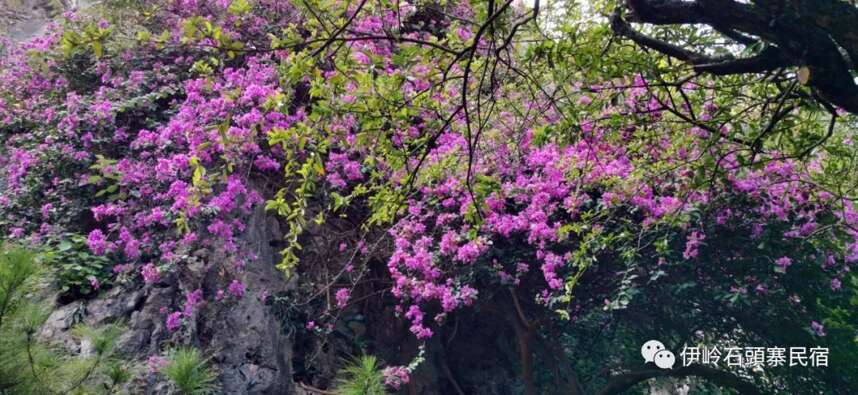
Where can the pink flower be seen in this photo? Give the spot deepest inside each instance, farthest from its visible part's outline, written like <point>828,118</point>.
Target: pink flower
<point>192,300</point>
<point>151,273</point>
<point>16,233</point>
<point>835,284</point>
<point>46,210</point>
<point>155,363</point>
<point>395,376</point>
<point>174,321</point>
<point>448,243</point>
<point>692,245</point>
<point>237,289</point>
<point>361,57</point>
<point>97,242</point>
<point>817,328</point>
<point>342,297</point>
<point>783,262</point>
<point>266,163</point>
<point>463,33</point>
<point>469,252</point>
<point>93,282</point>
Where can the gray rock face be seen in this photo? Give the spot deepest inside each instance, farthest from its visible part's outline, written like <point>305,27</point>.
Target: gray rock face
<point>24,19</point>
<point>251,348</point>
<point>57,328</point>
<point>21,20</point>
<point>248,347</point>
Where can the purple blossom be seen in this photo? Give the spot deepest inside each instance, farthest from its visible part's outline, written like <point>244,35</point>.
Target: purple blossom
<point>817,328</point>
<point>395,376</point>
<point>342,296</point>
<point>266,163</point>
<point>236,289</point>
<point>155,363</point>
<point>192,300</point>
<point>93,282</point>
<point>783,263</point>
<point>469,252</point>
<point>692,245</point>
<point>151,274</point>
<point>360,57</point>
<point>835,284</point>
<point>174,321</point>
<point>97,242</point>
<point>463,33</point>
<point>46,210</point>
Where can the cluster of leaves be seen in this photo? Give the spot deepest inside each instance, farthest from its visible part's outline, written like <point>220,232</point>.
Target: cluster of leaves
<point>78,271</point>
<point>544,169</point>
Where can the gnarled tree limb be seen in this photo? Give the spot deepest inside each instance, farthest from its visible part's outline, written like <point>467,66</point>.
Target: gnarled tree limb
<point>622,382</point>
<point>820,36</point>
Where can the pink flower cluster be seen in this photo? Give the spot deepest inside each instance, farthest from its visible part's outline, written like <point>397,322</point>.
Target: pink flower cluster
<point>395,376</point>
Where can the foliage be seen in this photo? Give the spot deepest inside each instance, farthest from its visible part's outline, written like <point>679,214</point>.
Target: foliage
<point>189,372</point>
<point>17,270</point>
<point>491,164</point>
<point>362,376</point>
<point>78,271</point>
<point>28,365</point>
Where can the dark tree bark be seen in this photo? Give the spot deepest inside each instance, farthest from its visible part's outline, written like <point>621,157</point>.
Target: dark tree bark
<point>524,333</point>
<point>819,37</point>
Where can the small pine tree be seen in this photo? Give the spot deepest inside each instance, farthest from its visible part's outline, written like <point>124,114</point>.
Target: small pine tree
<point>189,372</point>
<point>26,365</point>
<point>361,377</point>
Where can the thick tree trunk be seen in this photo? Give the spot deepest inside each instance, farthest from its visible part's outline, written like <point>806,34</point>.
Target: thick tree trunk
<point>524,331</point>
<point>524,335</point>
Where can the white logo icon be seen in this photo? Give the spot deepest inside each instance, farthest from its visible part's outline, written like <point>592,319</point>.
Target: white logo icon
<point>650,348</point>
<point>654,351</point>
<point>665,359</point>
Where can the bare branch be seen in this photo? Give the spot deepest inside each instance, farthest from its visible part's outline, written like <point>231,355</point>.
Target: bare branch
<point>620,383</point>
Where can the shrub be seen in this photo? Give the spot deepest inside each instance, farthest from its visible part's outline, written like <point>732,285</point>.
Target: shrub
<point>79,273</point>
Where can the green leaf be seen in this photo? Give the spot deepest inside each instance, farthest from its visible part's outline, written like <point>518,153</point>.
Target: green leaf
<point>239,7</point>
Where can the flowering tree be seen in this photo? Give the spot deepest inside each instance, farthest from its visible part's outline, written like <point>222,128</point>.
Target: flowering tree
<point>485,168</point>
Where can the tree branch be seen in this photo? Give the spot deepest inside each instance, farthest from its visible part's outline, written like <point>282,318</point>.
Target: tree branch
<point>623,28</point>
<point>620,383</point>
<point>768,59</point>
<point>811,34</point>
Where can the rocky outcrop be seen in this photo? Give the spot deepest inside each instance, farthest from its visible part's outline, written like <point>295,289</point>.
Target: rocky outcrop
<point>246,339</point>
<point>246,342</point>
<point>21,20</point>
